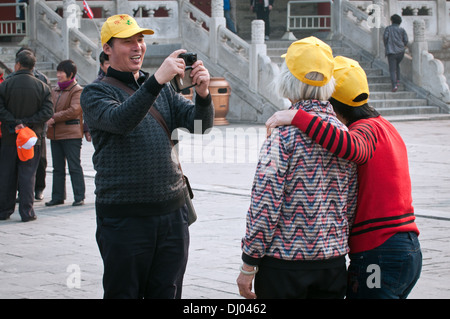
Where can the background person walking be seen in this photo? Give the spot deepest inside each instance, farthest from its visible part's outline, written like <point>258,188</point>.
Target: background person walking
<point>395,40</point>
<point>262,9</point>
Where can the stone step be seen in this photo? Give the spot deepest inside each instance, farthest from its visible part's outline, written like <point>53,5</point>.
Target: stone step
<point>342,51</point>
<point>40,65</point>
<point>384,87</point>
<point>408,110</point>
<point>378,104</point>
<point>373,72</point>
<point>378,79</point>
<point>417,117</point>
<point>384,95</point>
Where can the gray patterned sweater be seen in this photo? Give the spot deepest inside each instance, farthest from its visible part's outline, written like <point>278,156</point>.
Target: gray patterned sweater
<point>135,174</point>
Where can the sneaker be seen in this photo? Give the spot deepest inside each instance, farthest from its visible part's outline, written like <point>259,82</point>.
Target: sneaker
<point>395,89</point>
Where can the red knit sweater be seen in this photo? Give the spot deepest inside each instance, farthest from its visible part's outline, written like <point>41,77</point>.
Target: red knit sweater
<point>384,196</point>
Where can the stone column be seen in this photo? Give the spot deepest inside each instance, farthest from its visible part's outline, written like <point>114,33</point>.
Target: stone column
<point>32,20</point>
<point>418,46</point>
<point>441,17</point>
<point>123,7</point>
<point>70,21</point>
<point>337,18</point>
<point>217,20</point>
<point>258,47</point>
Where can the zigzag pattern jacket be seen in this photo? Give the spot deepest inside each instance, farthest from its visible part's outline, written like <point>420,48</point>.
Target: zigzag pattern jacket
<point>303,197</point>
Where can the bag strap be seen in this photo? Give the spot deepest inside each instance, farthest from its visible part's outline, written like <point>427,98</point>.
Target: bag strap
<point>118,84</point>
<point>153,111</point>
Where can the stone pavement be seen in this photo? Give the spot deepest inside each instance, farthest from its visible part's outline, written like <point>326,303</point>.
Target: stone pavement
<point>56,257</point>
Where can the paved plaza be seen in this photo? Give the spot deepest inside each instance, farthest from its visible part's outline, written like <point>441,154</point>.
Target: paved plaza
<point>56,256</point>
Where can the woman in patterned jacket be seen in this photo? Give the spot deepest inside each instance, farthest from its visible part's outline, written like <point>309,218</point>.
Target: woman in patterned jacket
<point>385,255</point>
<point>303,197</point>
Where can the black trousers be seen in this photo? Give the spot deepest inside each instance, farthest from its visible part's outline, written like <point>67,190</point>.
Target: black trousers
<point>144,257</point>
<point>69,150</point>
<point>41,169</point>
<point>16,175</point>
<point>262,13</point>
<point>312,282</point>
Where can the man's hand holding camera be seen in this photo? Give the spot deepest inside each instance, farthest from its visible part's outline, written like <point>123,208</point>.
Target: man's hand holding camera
<point>201,78</point>
<point>174,65</point>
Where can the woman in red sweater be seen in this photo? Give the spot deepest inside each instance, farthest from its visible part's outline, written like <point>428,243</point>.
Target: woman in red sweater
<point>385,255</point>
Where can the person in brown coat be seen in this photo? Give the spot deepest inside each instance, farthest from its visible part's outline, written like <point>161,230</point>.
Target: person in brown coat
<point>65,131</point>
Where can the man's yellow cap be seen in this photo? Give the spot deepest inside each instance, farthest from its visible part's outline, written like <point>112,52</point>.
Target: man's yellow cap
<point>121,26</point>
<point>351,81</point>
<point>310,55</point>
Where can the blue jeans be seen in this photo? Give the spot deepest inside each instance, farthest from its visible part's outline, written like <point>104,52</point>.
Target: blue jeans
<point>388,271</point>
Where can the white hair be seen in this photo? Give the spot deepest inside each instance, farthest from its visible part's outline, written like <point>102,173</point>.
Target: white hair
<point>288,86</point>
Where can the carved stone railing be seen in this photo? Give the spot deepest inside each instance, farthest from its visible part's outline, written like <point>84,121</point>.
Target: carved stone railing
<point>435,14</point>
<point>246,66</point>
<point>59,40</point>
<point>366,31</point>
<point>427,72</point>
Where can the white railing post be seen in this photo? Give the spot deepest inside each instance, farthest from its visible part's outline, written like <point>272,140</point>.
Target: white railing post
<point>427,72</point>
<point>337,17</point>
<point>32,21</point>
<point>442,17</point>
<point>70,21</point>
<point>217,21</point>
<point>123,7</point>
<point>418,46</point>
<point>258,47</point>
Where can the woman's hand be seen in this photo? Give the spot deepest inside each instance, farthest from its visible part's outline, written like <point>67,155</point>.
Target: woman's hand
<point>245,283</point>
<point>280,118</point>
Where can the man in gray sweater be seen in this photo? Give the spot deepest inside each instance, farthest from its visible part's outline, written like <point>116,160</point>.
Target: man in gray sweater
<point>142,229</point>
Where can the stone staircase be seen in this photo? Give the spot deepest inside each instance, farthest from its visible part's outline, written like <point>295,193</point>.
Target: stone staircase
<point>403,105</point>
<point>8,54</point>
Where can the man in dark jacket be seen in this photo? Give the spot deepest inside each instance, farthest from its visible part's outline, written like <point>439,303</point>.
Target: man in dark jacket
<point>262,9</point>
<point>25,101</point>
<point>395,41</point>
<point>142,229</point>
<point>40,172</point>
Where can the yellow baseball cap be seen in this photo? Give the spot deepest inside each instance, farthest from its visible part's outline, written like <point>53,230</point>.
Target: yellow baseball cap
<point>310,55</point>
<point>351,81</point>
<point>121,26</point>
